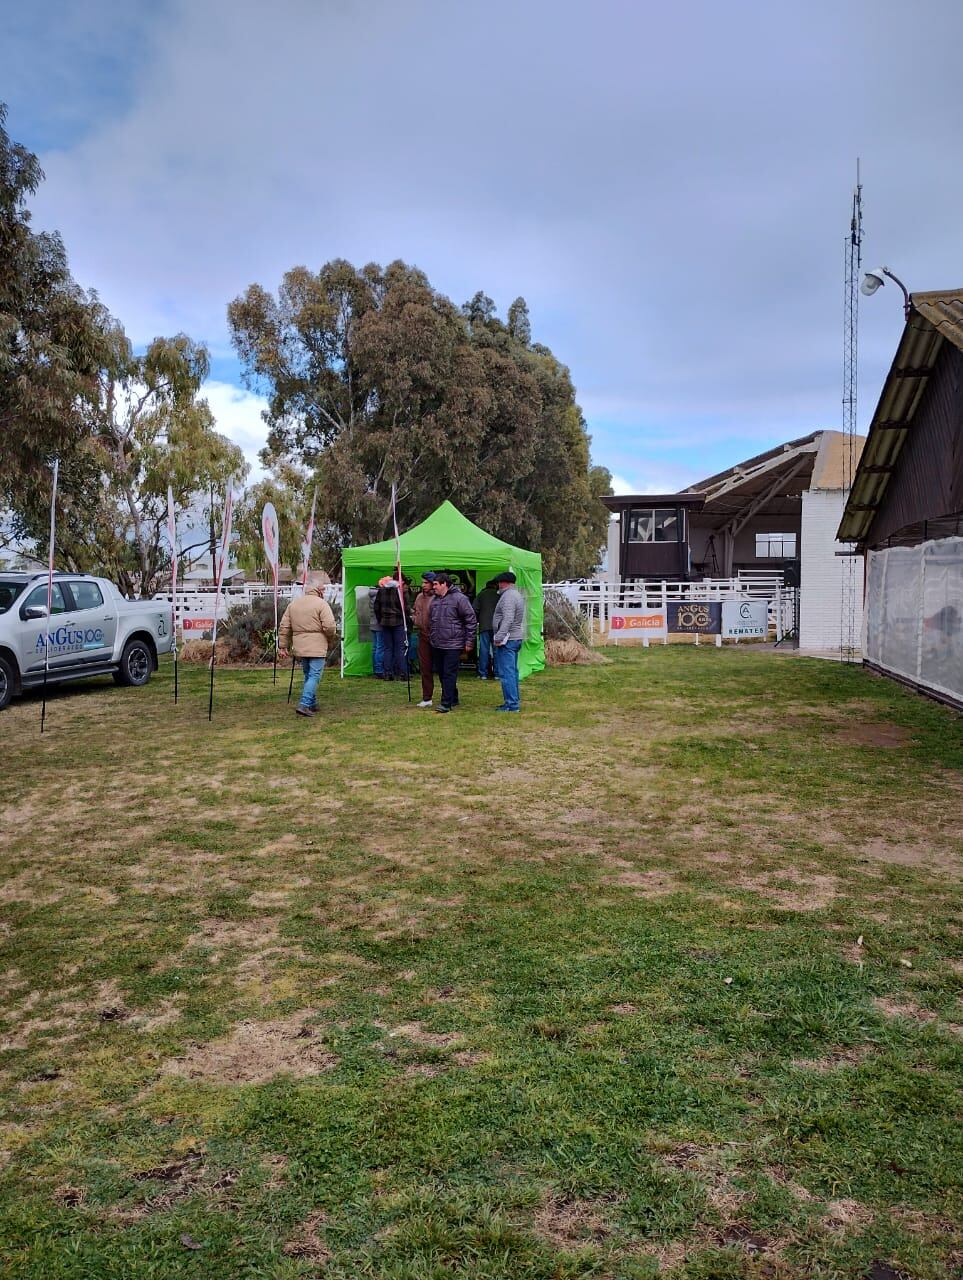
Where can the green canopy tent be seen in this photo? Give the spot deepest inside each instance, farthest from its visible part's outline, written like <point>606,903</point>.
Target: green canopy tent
<point>445,540</point>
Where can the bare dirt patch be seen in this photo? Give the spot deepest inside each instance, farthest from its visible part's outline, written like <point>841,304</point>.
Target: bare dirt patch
<point>906,1008</point>
<point>874,733</point>
<point>846,1215</point>
<point>217,934</point>
<point>654,883</point>
<point>417,1034</point>
<point>564,1221</point>
<point>929,856</point>
<point>812,891</point>
<point>256,1052</point>
<point>851,1056</point>
<point>308,1241</point>
<point>165,1016</point>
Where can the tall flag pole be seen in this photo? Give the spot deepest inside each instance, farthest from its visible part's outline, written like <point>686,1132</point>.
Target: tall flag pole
<point>172,536</point>
<point>271,534</point>
<point>50,575</point>
<point>309,538</point>
<point>400,581</point>
<point>306,554</point>
<point>222,560</point>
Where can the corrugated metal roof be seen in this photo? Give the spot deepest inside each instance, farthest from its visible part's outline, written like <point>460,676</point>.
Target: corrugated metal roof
<point>934,318</point>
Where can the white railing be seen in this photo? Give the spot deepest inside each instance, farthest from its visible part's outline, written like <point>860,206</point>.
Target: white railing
<point>598,597</point>
<point>199,606</point>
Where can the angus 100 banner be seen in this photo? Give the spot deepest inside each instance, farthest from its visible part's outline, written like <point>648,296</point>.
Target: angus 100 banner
<point>699,617</point>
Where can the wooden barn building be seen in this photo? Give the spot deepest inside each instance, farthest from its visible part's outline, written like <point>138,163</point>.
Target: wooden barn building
<point>777,511</point>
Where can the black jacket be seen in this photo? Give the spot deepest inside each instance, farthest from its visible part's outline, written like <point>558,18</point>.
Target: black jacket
<point>387,607</point>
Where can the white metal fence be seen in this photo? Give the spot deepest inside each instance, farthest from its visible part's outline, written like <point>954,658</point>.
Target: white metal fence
<point>598,597</point>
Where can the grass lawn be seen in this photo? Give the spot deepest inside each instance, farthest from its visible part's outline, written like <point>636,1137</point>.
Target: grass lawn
<point>662,976</point>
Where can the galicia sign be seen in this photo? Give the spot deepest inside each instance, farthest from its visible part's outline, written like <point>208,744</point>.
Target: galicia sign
<point>636,623</point>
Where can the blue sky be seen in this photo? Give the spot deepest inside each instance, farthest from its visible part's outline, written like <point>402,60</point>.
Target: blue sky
<point>668,186</point>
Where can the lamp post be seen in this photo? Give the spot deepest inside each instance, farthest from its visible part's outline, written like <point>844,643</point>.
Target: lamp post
<point>874,280</point>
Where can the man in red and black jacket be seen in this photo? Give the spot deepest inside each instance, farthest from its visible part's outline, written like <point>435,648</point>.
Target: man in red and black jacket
<point>452,626</point>
<point>420,614</point>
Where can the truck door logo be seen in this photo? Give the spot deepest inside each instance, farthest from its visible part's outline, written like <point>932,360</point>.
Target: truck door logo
<point>70,639</point>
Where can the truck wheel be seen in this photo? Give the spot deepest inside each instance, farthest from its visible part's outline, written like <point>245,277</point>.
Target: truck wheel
<point>7,681</point>
<point>136,664</point>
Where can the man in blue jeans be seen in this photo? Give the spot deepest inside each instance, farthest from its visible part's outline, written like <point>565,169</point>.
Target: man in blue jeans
<point>308,628</point>
<point>509,631</point>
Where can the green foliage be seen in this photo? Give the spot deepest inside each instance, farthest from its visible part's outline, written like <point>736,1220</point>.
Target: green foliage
<point>375,378</point>
<point>248,630</point>
<point>146,429</point>
<point>53,339</point>
<point>289,488</point>
<point>563,621</point>
<point>124,426</point>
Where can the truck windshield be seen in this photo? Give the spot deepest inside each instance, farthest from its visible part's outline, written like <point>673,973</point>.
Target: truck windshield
<point>9,592</point>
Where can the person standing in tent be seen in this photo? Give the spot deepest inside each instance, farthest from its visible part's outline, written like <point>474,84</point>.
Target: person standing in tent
<point>392,608</point>
<point>421,612</point>
<point>509,623</point>
<point>308,628</point>
<point>377,639</point>
<point>484,606</point>
<point>452,625</point>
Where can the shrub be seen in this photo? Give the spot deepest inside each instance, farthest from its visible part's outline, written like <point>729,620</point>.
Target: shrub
<point>563,621</point>
<point>248,631</point>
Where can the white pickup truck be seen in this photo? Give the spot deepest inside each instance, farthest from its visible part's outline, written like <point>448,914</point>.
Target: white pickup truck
<point>93,631</point>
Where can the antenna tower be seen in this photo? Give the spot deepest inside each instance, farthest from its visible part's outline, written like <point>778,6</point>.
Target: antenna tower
<point>853,263</point>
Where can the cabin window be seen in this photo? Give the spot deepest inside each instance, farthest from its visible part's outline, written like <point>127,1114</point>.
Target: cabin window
<point>653,524</point>
<point>775,546</point>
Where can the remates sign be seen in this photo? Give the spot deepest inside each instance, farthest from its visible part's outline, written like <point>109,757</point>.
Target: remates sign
<point>745,619</point>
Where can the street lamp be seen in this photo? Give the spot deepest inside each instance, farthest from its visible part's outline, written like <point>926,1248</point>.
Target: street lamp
<point>874,280</point>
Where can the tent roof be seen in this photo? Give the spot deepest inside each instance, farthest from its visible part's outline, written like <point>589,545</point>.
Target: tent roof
<point>446,540</point>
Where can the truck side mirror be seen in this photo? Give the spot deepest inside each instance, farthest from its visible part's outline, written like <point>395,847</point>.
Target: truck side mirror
<point>35,611</point>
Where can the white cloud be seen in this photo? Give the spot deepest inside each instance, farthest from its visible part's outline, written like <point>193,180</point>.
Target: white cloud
<point>237,413</point>
<point>669,187</point>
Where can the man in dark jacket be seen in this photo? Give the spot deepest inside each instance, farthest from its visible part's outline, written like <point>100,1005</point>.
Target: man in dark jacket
<point>484,606</point>
<point>392,608</point>
<point>452,625</point>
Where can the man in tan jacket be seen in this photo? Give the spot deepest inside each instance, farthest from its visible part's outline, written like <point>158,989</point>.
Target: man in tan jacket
<point>307,629</point>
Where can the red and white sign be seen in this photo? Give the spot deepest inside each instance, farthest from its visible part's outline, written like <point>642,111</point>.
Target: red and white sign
<point>197,624</point>
<point>270,532</point>
<point>636,623</point>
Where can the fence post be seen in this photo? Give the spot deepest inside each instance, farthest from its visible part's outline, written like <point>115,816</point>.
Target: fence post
<point>778,613</point>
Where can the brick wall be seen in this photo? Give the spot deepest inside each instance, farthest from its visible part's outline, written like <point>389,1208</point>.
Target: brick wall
<point>821,573</point>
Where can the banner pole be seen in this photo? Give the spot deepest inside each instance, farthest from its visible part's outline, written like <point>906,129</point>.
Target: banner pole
<point>275,570</point>
<point>225,542</point>
<point>171,532</point>
<point>401,585</point>
<point>50,572</point>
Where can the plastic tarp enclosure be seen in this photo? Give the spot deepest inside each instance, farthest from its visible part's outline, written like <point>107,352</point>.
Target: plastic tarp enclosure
<point>914,613</point>
<point>445,540</point>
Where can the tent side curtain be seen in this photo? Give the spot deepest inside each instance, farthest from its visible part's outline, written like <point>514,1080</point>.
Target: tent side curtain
<point>445,540</point>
